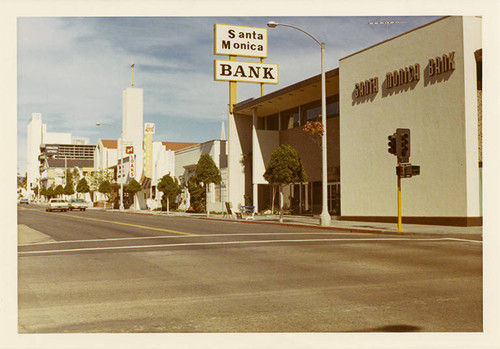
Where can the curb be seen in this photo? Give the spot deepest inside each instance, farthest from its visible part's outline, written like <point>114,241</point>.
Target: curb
<point>287,224</point>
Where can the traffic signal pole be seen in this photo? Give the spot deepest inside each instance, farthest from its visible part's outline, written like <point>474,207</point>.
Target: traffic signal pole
<point>400,228</point>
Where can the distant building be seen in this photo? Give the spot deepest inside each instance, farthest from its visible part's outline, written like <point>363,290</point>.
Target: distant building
<point>49,153</point>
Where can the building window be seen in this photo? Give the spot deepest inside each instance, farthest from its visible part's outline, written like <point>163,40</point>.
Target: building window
<point>311,112</point>
<point>290,119</point>
<point>271,122</point>
<point>332,109</point>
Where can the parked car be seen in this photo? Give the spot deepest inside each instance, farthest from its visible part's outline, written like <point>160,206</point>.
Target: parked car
<point>77,204</point>
<point>57,205</point>
<point>24,201</point>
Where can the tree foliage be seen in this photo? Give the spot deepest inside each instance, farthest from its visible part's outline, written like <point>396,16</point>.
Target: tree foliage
<point>106,189</point>
<point>99,177</point>
<point>285,167</point>
<point>82,186</point>
<point>68,188</point>
<point>59,190</point>
<point>207,171</point>
<point>197,196</point>
<point>170,189</point>
<point>134,186</point>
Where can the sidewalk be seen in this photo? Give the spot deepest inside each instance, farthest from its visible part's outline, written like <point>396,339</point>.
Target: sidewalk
<point>313,222</point>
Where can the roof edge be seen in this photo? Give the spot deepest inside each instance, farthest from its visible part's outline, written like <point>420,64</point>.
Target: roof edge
<point>395,37</point>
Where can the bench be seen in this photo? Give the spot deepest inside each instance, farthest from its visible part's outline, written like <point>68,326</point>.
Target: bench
<point>246,212</point>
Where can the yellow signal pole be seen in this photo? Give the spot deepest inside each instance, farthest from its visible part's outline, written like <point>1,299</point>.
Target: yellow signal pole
<point>400,228</point>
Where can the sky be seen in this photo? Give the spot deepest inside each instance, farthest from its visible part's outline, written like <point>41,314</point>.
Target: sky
<point>73,70</point>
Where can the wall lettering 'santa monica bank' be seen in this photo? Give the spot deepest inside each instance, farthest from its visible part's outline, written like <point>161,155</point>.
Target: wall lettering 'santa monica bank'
<point>407,75</point>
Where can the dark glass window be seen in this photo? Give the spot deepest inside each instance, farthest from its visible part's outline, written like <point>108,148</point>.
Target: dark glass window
<point>290,119</point>
<point>271,122</point>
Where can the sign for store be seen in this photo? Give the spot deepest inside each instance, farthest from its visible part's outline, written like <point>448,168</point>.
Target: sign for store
<point>237,40</point>
<point>264,73</point>
<point>129,149</point>
<point>132,165</point>
<point>149,128</point>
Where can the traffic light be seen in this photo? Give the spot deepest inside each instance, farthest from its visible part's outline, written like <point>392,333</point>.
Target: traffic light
<point>407,170</point>
<point>403,145</point>
<point>392,144</point>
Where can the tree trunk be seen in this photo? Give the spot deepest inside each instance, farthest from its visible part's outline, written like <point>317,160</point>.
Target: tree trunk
<point>168,206</point>
<point>281,203</point>
<point>272,199</point>
<point>206,199</point>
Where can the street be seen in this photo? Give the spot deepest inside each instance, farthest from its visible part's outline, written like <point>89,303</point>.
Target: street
<point>112,272</point>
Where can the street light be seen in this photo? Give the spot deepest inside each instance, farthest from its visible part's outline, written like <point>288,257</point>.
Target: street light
<point>121,163</point>
<point>325,218</point>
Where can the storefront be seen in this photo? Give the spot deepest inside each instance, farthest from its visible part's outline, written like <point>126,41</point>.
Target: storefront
<point>427,80</point>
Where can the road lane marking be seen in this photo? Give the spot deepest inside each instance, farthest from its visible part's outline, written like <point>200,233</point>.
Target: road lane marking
<point>217,235</point>
<point>121,223</point>
<point>129,225</point>
<point>222,243</point>
<point>186,236</point>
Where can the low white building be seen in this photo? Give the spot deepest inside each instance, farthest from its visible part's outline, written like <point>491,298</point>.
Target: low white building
<point>185,167</point>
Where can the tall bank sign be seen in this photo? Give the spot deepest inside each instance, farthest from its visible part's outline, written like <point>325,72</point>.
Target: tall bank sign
<point>235,40</point>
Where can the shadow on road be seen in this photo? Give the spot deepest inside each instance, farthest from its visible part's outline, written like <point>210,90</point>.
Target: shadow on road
<point>391,328</point>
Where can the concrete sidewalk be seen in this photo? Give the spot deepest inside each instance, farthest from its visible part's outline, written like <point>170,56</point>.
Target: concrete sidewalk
<point>313,222</point>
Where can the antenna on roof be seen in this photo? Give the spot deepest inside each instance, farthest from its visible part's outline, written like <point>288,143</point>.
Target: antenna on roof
<point>133,65</point>
<point>387,23</point>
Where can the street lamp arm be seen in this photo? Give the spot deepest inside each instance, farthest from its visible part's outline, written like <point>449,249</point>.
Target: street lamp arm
<point>273,25</point>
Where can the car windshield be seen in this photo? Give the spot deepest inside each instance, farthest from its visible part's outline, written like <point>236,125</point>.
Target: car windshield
<point>57,200</point>
<point>76,200</point>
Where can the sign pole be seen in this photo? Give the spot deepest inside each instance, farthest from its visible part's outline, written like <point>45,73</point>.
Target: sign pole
<point>262,84</point>
<point>232,89</point>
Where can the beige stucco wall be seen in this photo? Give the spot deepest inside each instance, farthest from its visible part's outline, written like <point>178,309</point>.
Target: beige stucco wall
<point>264,145</point>
<point>441,113</point>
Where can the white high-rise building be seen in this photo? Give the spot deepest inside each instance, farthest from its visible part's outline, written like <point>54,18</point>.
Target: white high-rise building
<point>35,131</point>
<point>133,125</point>
<point>38,136</point>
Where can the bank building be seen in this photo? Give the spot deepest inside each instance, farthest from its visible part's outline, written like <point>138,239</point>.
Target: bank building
<point>427,80</point>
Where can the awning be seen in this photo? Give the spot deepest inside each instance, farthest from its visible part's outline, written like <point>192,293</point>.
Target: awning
<point>146,182</point>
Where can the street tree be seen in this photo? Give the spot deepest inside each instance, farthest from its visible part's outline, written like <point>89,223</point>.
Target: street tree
<point>24,182</point>
<point>207,173</point>
<point>133,187</point>
<point>59,190</point>
<point>170,189</point>
<point>106,189</point>
<point>82,186</point>
<point>196,196</point>
<point>284,168</point>
<point>99,176</point>
<point>44,192</point>
<point>68,188</point>
<point>50,193</point>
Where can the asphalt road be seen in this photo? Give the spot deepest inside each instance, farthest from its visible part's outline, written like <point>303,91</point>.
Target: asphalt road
<point>95,271</point>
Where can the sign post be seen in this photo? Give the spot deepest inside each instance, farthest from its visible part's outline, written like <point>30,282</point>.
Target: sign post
<point>234,41</point>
